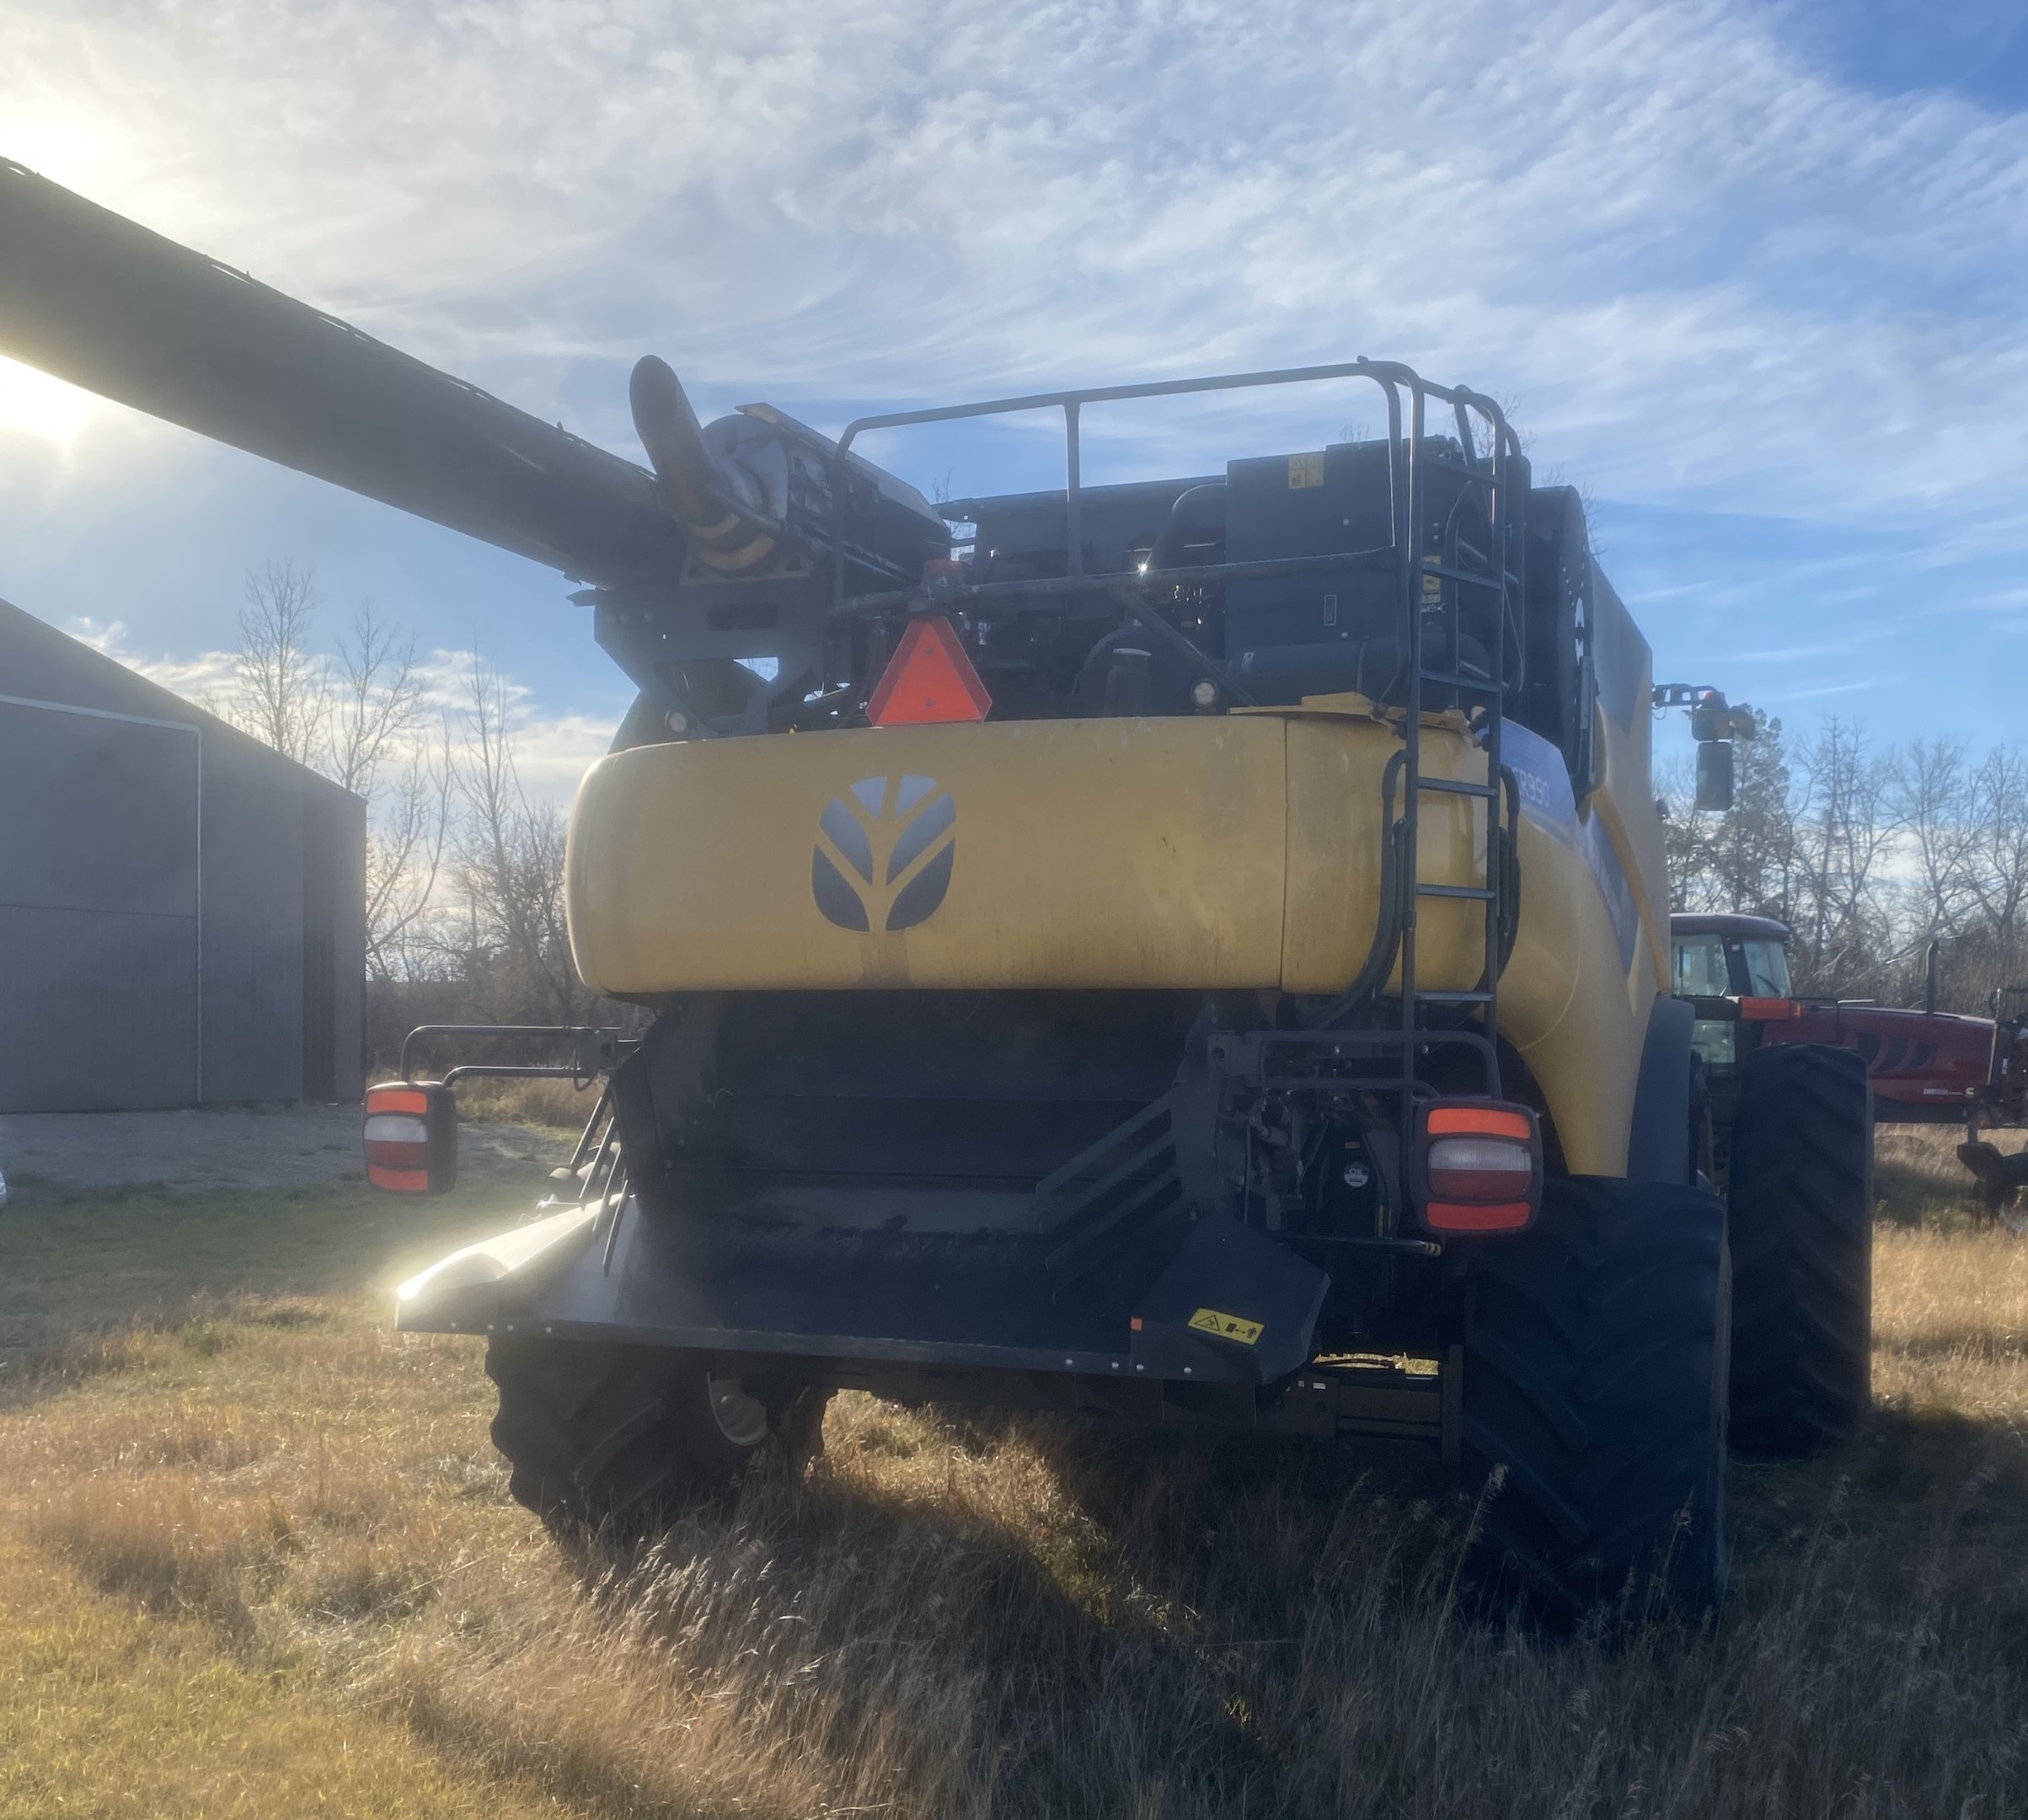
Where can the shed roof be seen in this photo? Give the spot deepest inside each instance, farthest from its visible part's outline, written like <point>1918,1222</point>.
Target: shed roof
<point>38,663</point>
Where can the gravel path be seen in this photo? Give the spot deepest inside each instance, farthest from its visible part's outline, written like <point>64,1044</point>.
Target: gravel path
<point>198,1151</point>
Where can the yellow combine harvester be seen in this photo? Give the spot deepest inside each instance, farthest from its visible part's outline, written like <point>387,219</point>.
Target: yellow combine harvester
<point>1192,950</point>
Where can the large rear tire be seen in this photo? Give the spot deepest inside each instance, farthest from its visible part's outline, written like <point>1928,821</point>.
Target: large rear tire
<point>1802,1192</point>
<point>1596,1356</point>
<point>617,1438</point>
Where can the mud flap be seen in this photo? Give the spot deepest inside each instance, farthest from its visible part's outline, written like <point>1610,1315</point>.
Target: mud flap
<point>1233,1306</point>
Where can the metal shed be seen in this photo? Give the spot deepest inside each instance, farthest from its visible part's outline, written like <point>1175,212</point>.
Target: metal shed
<point>182,910</point>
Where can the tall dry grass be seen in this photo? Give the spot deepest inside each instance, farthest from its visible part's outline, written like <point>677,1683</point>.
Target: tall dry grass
<point>552,1104</point>
<point>951,1617</point>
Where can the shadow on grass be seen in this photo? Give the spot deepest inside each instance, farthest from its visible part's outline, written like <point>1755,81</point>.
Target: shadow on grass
<point>1916,1193</point>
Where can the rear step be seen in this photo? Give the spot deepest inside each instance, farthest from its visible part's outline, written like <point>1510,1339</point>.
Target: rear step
<point>1390,1398</point>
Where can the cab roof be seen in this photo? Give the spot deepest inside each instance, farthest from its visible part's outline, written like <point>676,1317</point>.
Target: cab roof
<point>1758,928</point>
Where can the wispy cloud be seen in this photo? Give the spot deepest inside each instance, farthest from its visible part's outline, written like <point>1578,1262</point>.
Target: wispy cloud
<point>1705,269</point>
<point>206,678</point>
<point>551,752</point>
<point>1713,272</point>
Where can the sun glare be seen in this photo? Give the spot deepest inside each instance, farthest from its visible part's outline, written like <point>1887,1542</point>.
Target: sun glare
<point>32,403</point>
<point>89,152</point>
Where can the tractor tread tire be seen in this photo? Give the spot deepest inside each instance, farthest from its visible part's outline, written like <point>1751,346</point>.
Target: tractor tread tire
<point>601,1438</point>
<point>1801,1193</point>
<point>1595,1377</point>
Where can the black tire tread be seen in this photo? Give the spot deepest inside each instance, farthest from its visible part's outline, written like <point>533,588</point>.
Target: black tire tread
<point>1802,1218</point>
<point>1595,1361</point>
<point>607,1437</point>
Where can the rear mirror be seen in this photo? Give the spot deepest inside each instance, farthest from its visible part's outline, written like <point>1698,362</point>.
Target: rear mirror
<point>1714,775</point>
<point>411,1138</point>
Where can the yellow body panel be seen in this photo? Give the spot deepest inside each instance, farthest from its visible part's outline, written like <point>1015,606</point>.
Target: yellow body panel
<point>1086,853</point>
<point>1235,851</point>
<point>1231,852</point>
<point>1564,1003</point>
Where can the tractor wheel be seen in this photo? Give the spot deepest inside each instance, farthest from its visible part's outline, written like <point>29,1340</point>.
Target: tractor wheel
<point>1801,1194</point>
<point>1596,1356</point>
<point>617,1438</point>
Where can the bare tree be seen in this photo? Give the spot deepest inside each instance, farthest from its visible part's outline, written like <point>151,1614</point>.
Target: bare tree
<point>1868,856</point>
<point>511,854</point>
<point>1845,827</point>
<point>359,716</point>
<point>373,701</point>
<point>406,843</point>
<point>1998,812</point>
<point>281,691</point>
<point>1689,844</point>
<point>1931,796</point>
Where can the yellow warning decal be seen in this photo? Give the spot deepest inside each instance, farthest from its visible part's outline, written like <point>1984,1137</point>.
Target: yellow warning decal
<point>1226,1326</point>
<point>1303,471</point>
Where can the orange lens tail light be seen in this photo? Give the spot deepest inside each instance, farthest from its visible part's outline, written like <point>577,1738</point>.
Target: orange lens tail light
<point>929,680</point>
<point>1477,1166</point>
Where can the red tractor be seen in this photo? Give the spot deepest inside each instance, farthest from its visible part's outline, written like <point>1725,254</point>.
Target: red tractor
<point>1926,1067</point>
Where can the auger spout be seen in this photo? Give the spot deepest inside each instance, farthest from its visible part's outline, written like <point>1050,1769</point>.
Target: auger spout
<point>728,530</point>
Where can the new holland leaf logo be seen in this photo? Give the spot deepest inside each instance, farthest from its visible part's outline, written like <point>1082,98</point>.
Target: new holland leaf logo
<point>884,852</point>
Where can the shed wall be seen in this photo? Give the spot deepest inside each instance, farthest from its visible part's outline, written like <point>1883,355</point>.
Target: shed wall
<point>182,910</point>
<point>100,900</point>
<point>253,939</point>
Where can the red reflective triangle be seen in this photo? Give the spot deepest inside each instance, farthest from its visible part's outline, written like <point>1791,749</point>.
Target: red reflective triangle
<point>929,679</point>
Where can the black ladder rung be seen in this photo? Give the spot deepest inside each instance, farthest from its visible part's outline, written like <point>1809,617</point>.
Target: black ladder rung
<point>1453,998</point>
<point>1475,578</point>
<point>1451,787</point>
<point>1482,893</point>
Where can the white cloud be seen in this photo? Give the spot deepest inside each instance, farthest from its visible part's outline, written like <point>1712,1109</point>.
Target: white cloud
<point>551,755</point>
<point>551,752</point>
<point>205,679</point>
<point>105,637</point>
<point>1710,275</point>
<point>1706,271</point>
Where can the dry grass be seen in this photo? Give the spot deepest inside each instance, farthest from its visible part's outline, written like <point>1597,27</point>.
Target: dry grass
<point>272,1513</point>
<point>552,1105</point>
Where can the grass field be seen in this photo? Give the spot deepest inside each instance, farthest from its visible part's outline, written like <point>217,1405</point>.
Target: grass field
<point>256,1557</point>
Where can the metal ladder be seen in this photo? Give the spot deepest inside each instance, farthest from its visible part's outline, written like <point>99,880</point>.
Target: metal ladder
<point>1427,604</point>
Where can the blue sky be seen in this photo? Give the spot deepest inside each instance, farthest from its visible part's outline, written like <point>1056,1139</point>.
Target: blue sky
<point>1751,273</point>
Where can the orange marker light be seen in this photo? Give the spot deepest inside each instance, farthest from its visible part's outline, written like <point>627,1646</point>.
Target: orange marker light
<point>929,680</point>
<point>1478,1120</point>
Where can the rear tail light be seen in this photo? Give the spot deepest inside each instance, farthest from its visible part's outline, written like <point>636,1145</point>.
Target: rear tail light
<point>1478,1166</point>
<point>411,1138</point>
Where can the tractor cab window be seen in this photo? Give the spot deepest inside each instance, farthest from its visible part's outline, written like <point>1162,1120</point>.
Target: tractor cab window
<point>1701,971</point>
<point>1767,966</point>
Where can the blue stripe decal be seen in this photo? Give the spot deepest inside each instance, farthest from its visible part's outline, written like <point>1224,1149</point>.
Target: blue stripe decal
<point>1546,800</point>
